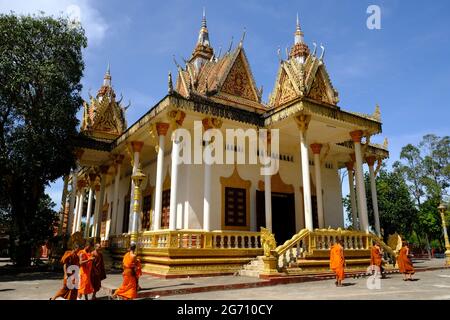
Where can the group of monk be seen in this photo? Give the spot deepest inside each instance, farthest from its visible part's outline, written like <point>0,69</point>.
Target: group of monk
<point>337,261</point>
<point>90,264</point>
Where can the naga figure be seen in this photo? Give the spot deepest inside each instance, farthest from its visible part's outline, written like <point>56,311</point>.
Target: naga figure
<point>268,241</point>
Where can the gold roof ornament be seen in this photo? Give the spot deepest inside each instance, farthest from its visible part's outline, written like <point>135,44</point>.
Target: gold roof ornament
<point>377,113</point>
<point>203,50</point>
<point>103,116</point>
<point>300,49</point>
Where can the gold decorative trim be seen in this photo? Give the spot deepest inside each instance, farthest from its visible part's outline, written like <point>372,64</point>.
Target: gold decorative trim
<point>277,185</point>
<point>235,181</point>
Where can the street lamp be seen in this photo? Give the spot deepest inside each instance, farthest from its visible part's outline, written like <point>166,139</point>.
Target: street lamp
<point>137,178</point>
<point>442,209</point>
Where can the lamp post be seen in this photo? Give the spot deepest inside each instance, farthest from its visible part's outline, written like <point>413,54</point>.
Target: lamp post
<point>137,178</point>
<point>442,209</point>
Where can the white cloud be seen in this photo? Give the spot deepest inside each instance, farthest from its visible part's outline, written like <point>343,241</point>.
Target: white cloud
<point>79,10</point>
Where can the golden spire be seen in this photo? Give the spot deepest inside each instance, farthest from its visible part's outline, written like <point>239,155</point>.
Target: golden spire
<point>300,49</point>
<point>203,50</point>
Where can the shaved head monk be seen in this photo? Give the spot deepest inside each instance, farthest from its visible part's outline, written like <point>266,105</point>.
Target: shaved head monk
<point>405,265</point>
<point>85,271</point>
<point>131,273</point>
<point>70,258</point>
<point>337,261</point>
<point>376,258</point>
<point>98,272</point>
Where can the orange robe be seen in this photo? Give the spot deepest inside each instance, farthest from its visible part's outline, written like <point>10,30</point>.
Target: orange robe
<point>98,272</point>
<point>69,258</point>
<point>131,273</point>
<point>85,274</point>
<point>376,259</point>
<point>404,262</point>
<point>337,261</point>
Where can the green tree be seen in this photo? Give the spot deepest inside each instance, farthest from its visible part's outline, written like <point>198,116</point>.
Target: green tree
<point>40,71</point>
<point>395,205</point>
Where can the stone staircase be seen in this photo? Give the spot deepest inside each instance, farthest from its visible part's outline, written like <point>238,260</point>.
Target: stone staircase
<point>253,269</point>
<point>308,253</point>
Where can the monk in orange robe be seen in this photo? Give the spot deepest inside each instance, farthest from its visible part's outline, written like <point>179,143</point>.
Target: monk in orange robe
<point>98,272</point>
<point>70,258</point>
<point>405,265</point>
<point>85,272</point>
<point>376,258</point>
<point>131,273</point>
<point>337,261</point>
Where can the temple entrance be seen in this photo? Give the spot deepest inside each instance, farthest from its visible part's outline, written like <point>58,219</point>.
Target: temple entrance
<point>283,214</point>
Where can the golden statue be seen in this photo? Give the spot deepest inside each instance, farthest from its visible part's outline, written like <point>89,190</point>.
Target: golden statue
<point>268,241</point>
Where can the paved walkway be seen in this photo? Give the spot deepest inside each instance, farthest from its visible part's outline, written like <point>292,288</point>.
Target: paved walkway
<point>43,285</point>
<point>429,285</point>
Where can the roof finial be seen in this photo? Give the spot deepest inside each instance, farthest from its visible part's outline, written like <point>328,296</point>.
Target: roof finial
<point>170,84</point>
<point>107,77</point>
<point>298,24</point>
<point>298,32</point>
<point>204,18</point>
<point>242,38</point>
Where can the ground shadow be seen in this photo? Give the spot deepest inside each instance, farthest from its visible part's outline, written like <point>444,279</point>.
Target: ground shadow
<point>348,284</point>
<point>31,276</point>
<point>3,290</point>
<point>173,285</point>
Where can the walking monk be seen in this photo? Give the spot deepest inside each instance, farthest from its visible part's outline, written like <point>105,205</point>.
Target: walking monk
<point>376,258</point>
<point>131,273</point>
<point>85,271</point>
<point>337,261</point>
<point>405,265</point>
<point>70,258</point>
<point>98,272</point>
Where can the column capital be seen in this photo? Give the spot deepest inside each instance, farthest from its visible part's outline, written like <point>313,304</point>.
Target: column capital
<point>81,184</point>
<point>118,158</point>
<point>370,160</point>
<point>78,153</point>
<point>303,122</point>
<point>211,123</point>
<point>92,178</point>
<point>349,165</point>
<point>177,116</point>
<point>137,146</point>
<point>316,147</point>
<point>104,169</point>
<point>356,135</point>
<point>162,128</point>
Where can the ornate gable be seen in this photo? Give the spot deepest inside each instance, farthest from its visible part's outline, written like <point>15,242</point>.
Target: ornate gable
<point>287,92</point>
<point>239,80</point>
<point>104,117</point>
<point>321,88</point>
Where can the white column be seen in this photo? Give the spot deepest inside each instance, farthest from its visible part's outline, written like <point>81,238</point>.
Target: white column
<point>268,201</point>
<point>89,211</point>
<point>137,147</point>
<point>100,200</point>
<point>316,147</point>
<point>80,208</point>
<point>73,200</point>
<point>208,123</point>
<point>303,126</point>
<point>361,191</point>
<point>174,182</point>
<point>351,186</point>
<point>115,209</point>
<point>162,131</point>
<point>373,188</point>
<point>74,217</point>
<point>97,203</point>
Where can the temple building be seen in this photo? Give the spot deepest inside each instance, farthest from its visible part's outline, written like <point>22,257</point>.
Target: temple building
<point>205,218</point>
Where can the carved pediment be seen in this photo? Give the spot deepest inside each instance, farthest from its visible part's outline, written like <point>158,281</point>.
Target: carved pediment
<point>321,89</point>
<point>239,81</point>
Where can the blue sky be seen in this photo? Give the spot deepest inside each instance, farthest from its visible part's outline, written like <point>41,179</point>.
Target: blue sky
<point>403,67</point>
